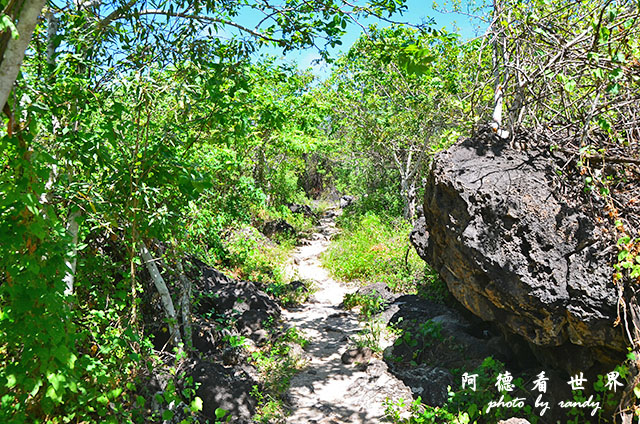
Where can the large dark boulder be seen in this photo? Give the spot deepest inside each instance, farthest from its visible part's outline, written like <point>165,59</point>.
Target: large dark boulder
<point>378,290</point>
<point>431,384</point>
<point>221,387</point>
<point>434,334</point>
<point>303,209</point>
<point>278,227</point>
<point>514,251</point>
<point>240,301</point>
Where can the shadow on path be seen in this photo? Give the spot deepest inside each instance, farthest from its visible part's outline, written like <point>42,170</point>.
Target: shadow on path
<point>328,391</point>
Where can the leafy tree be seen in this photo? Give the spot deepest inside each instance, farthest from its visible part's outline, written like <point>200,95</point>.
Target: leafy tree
<point>400,96</point>
<point>99,164</point>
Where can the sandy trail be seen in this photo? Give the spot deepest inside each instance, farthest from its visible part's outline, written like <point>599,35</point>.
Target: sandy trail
<point>328,391</point>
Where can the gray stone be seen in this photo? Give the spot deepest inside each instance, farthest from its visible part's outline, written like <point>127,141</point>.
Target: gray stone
<point>303,209</point>
<point>221,387</point>
<point>513,251</point>
<point>346,201</point>
<point>241,301</point>
<point>358,355</point>
<point>429,383</point>
<point>378,290</point>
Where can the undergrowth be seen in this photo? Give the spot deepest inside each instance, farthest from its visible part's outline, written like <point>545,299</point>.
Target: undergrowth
<point>277,363</point>
<point>373,248</point>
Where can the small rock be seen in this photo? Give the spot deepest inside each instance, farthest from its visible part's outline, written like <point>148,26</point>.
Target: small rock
<point>378,290</point>
<point>295,285</point>
<point>359,355</point>
<point>346,201</point>
<point>303,209</point>
<point>377,369</point>
<point>231,356</point>
<point>260,337</point>
<point>430,383</point>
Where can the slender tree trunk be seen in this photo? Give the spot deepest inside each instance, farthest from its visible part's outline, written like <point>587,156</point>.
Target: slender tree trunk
<point>499,72</point>
<point>165,296</point>
<point>409,198</point>
<point>73,228</point>
<point>185,303</point>
<point>13,53</point>
<point>52,31</point>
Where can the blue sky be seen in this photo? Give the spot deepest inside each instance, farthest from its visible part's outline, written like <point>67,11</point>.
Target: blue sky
<point>418,12</point>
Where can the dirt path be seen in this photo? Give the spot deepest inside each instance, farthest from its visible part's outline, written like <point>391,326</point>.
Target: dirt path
<point>328,391</point>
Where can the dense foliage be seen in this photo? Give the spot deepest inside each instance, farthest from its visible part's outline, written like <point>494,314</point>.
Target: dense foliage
<point>141,132</point>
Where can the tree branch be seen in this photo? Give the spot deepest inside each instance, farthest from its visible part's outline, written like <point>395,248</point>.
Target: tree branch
<point>211,20</point>
<point>116,14</point>
<point>605,158</point>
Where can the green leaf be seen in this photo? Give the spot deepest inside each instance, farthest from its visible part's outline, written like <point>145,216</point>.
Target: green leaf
<point>613,89</point>
<point>220,413</point>
<point>115,393</point>
<point>56,380</point>
<point>140,401</point>
<point>167,415</point>
<point>11,381</point>
<point>196,404</point>
<point>53,395</point>
<point>570,86</point>
<point>6,22</point>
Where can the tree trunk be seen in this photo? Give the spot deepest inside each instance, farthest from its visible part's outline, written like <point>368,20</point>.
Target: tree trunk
<point>52,31</point>
<point>408,189</point>
<point>498,68</point>
<point>185,303</point>
<point>13,53</point>
<point>165,296</point>
<point>71,262</point>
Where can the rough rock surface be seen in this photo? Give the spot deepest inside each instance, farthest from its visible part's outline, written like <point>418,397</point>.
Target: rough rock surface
<point>430,383</point>
<point>279,226</point>
<point>240,300</point>
<point>303,209</point>
<point>432,333</point>
<point>360,355</point>
<point>512,251</point>
<point>346,201</point>
<point>221,387</point>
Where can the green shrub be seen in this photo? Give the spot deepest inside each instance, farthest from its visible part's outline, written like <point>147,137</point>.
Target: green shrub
<point>254,257</point>
<point>369,304</point>
<point>277,363</point>
<point>374,249</point>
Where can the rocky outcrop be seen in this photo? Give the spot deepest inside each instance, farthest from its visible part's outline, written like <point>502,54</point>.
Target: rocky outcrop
<point>222,388</point>
<point>236,301</point>
<point>302,209</point>
<point>434,334</point>
<point>278,227</point>
<point>431,384</point>
<point>346,201</point>
<point>513,251</point>
<point>380,290</point>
